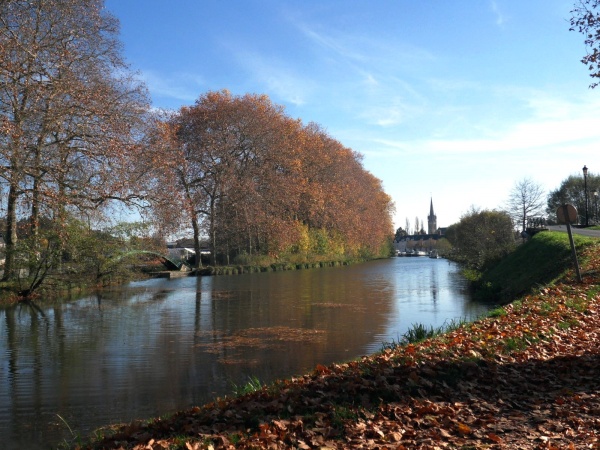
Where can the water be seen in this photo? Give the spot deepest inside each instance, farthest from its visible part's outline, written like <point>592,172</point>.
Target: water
<point>157,346</point>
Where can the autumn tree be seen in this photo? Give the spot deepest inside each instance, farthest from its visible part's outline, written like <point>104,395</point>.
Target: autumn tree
<point>259,214</point>
<point>70,111</point>
<point>586,20</point>
<point>223,149</point>
<point>526,199</point>
<point>340,196</point>
<point>254,181</point>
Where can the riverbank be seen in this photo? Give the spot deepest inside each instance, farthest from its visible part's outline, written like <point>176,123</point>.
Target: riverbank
<point>524,377</point>
<point>274,267</point>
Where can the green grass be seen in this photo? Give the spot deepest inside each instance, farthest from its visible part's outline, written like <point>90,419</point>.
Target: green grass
<point>538,262</point>
<point>419,332</point>
<point>497,312</point>
<point>566,324</point>
<point>341,414</point>
<point>577,304</point>
<point>515,344</point>
<point>75,437</point>
<point>252,385</point>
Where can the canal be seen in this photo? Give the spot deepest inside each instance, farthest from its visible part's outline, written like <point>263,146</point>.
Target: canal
<point>157,346</point>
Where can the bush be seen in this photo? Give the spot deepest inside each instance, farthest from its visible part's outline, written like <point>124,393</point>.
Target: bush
<point>481,239</point>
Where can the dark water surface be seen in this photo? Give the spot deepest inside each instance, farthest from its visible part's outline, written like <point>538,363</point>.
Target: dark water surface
<point>156,346</point>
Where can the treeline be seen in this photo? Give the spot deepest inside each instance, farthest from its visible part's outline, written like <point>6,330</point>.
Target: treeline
<point>256,181</point>
<point>78,140</point>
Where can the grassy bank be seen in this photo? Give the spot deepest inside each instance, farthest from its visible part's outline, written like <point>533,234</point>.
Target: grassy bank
<point>540,262</point>
<point>524,377</point>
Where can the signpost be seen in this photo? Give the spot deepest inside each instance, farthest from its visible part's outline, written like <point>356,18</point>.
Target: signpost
<point>567,214</point>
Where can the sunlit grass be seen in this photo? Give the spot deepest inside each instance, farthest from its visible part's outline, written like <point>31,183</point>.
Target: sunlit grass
<point>252,385</point>
<point>539,262</point>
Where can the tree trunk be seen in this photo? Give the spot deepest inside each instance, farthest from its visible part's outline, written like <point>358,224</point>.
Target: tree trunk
<point>213,234</point>
<point>196,229</point>
<point>11,233</point>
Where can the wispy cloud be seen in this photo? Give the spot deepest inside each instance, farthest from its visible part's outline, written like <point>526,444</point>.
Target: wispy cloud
<point>340,45</point>
<point>547,130</point>
<point>387,109</point>
<point>500,18</point>
<point>371,78</point>
<point>279,78</point>
<point>177,86</point>
<point>360,50</point>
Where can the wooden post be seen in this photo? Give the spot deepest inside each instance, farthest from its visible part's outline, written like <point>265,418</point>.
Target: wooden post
<point>567,214</point>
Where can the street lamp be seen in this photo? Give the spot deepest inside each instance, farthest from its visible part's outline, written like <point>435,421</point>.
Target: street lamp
<point>596,207</point>
<point>585,171</point>
<point>595,211</point>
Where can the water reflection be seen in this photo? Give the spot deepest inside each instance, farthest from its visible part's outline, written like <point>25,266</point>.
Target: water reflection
<point>160,345</point>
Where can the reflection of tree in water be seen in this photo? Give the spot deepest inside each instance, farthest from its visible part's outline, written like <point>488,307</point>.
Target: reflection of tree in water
<point>26,350</point>
<point>434,283</point>
<point>36,313</point>
<point>458,283</point>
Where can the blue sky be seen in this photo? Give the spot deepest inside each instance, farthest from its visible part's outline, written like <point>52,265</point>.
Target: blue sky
<point>455,101</point>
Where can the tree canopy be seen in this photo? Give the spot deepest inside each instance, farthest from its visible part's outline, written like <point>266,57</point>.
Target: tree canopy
<point>256,181</point>
<point>572,190</point>
<point>70,116</point>
<point>586,20</point>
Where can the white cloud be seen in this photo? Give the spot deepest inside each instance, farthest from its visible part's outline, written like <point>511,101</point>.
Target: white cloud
<point>338,46</point>
<point>555,126</point>
<point>500,18</point>
<point>370,80</point>
<point>386,54</point>
<point>179,86</point>
<point>280,79</point>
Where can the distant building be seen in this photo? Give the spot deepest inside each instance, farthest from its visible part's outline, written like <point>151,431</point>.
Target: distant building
<point>420,240</point>
<point>431,220</point>
<point>184,249</point>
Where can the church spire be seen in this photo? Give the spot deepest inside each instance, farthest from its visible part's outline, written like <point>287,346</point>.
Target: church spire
<point>431,220</point>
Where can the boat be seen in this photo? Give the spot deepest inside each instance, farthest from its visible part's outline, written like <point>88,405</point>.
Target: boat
<point>419,253</point>
<point>434,254</point>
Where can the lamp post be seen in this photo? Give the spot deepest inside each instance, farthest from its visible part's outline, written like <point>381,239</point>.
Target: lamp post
<point>596,207</point>
<point>585,171</point>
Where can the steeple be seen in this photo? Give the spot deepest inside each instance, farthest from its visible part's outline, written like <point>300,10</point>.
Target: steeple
<point>431,220</point>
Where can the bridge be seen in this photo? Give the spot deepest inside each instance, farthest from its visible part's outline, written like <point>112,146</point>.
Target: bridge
<point>168,262</point>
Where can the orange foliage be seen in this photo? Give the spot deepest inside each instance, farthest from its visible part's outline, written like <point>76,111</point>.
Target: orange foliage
<point>249,175</point>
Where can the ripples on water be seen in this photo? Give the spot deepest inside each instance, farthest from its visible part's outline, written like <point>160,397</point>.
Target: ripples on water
<point>160,345</point>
